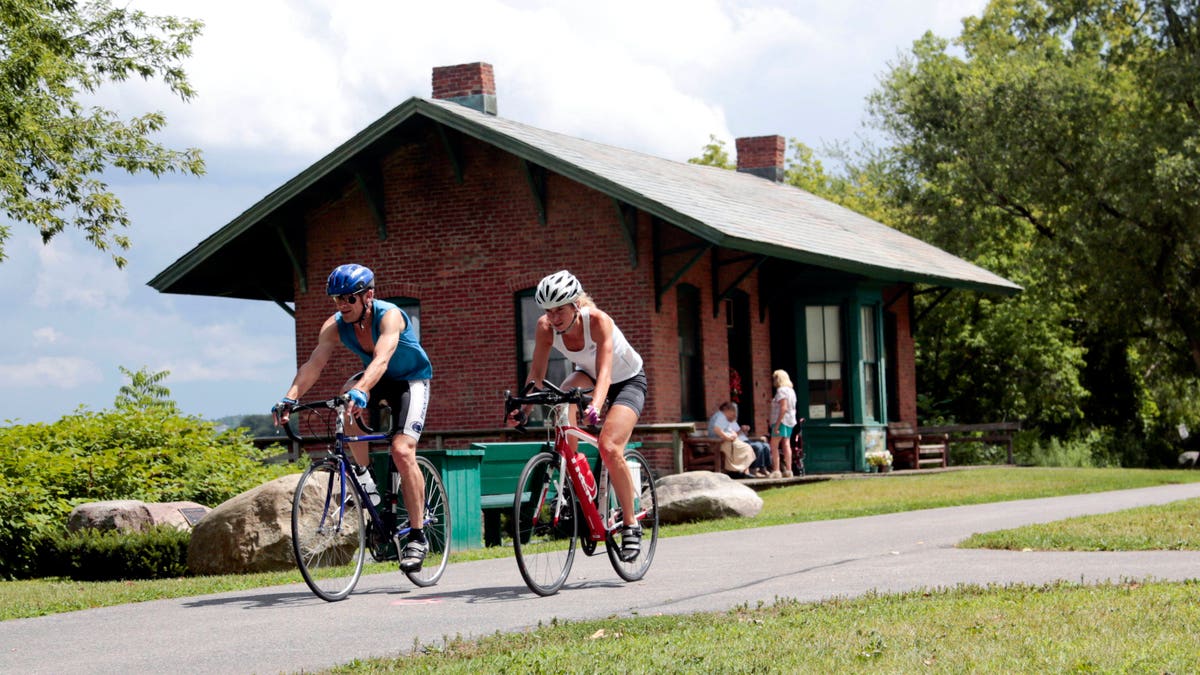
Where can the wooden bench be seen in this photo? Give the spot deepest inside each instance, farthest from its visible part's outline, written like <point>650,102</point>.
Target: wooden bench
<point>498,475</point>
<point>702,452</point>
<point>912,449</point>
<point>991,433</point>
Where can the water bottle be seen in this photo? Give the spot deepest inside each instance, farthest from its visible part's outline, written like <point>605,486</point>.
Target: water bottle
<point>585,470</point>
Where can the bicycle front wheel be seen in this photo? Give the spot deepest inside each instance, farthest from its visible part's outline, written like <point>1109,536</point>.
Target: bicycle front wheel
<point>646,505</point>
<point>328,530</point>
<point>436,526</point>
<point>545,524</point>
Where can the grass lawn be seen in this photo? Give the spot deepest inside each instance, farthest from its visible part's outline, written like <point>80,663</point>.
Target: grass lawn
<point>1128,628</point>
<point>1132,627</point>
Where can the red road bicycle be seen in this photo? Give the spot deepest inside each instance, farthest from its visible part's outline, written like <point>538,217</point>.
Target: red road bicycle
<point>557,497</point>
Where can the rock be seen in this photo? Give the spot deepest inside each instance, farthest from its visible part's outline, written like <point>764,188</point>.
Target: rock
<point>130,515</point>
<point>250,533</point>
<point>704,495</point>
<point>171,513</point>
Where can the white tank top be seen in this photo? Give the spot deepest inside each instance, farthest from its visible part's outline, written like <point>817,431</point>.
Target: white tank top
<point>626,362</point>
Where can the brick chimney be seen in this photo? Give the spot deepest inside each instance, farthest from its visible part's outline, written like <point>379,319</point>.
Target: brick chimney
<point>469,84</point>
<point>762,156</point>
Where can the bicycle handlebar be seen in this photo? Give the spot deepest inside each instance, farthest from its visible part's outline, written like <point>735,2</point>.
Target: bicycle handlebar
<point>337,404</point>
<point>550,395</point>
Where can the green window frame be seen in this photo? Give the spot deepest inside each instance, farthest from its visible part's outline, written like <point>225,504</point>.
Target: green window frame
<point>870,361</point>
<point>826,368</point>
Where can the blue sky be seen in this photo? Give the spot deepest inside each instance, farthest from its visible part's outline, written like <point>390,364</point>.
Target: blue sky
<point>281,83</point>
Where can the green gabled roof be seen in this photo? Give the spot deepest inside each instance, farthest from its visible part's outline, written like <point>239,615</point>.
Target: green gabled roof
<point>729,209</point>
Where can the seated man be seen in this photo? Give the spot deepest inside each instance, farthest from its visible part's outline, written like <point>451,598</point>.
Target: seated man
<point>738,455</point>
<point>761,467</point>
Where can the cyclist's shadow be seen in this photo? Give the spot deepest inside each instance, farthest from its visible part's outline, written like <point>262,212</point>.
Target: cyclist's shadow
<point>495,594</point>
<point>413,595</point>
<point>256,601</point>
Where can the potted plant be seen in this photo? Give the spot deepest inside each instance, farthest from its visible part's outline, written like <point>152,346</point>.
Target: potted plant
<point>879,460</point>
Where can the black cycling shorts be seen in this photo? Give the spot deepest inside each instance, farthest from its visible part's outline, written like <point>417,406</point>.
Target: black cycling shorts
<point>630,393</point>
<point>407,399</point>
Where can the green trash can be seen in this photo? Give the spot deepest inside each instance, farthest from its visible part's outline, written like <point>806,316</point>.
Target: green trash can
<point>459,469</point>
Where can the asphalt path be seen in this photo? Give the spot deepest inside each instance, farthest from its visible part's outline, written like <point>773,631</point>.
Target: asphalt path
<point>287,629</point>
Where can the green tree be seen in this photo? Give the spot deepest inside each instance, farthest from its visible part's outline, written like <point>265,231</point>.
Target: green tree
<point>54,149</point>
<point>1060,141</point>
<point>145,390</point>
<point>714,154</point>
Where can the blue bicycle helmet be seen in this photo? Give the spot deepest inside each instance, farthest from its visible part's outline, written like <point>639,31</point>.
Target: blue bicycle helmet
<point>346,279</point>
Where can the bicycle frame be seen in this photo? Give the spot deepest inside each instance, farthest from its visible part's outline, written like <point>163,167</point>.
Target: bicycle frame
<point>340,454</point>
<point>598,530</point>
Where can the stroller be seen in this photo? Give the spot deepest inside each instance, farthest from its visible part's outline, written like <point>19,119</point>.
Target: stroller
<point>798,449</point>
<point>797,441</point>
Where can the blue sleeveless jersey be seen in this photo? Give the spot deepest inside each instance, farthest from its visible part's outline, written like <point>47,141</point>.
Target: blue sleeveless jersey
<point>408,362</point>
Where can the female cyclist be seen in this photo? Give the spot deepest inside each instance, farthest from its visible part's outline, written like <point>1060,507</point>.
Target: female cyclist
<point>604,361</point>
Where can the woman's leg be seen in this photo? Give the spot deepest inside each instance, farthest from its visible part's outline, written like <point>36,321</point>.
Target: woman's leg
<point>618,427</point>
<point>775,443</point>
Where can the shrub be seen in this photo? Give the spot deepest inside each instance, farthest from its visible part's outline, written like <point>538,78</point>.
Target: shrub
<point>152,454</point>
<point>95,555</point>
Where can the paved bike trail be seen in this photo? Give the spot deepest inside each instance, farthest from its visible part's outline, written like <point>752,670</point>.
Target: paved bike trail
<point>287,629</point>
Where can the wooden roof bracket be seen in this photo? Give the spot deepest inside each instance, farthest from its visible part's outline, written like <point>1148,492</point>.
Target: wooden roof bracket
<point>297,264</point>
<point>941,296</point>
<point>452,151</point>
<point>627,218</point>
<point>660,289</point>
<point>370,183</point>
<point>283,305</point>
<point>720,294</point>
<point>896,298</point>
<point>535,175</point>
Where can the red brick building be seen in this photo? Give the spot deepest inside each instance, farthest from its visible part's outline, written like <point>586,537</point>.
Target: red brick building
<point>460,212</point>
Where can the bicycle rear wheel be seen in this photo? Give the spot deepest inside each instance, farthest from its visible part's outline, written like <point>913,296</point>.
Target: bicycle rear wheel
<point>437,526</point>
<point>646,504</point>
<point>545,524</point>
<point>328,530</point>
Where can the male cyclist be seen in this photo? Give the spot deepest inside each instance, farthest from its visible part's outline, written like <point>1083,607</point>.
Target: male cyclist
<point>396,370</point>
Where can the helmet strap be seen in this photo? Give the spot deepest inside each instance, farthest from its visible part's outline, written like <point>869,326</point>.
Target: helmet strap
<point>362,316</point>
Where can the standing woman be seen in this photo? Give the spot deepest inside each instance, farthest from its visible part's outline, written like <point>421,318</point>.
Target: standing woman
<point>605,361</point>
<point>783,420</point>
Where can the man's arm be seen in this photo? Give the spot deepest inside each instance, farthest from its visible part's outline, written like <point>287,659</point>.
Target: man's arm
<point>310,370</point>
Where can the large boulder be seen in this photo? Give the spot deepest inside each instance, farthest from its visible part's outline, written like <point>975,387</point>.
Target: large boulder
<point>131,515</point>
<point>704,495</point>
<point>250,533</point>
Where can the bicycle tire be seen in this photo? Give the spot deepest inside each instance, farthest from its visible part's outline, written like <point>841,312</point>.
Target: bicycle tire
<point>437,526</point>
<point>328,530</point>
<point>541,523</point>
<point>647,502</point>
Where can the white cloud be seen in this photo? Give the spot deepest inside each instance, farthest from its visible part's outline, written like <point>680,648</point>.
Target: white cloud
<point>67,276</point>
<point>218,352</point>
<point>59,372</point>
<point>47,334</point>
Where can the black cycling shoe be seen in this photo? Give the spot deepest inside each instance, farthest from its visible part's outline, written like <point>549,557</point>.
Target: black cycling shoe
<point>631,543</point>
<point>413,556</point>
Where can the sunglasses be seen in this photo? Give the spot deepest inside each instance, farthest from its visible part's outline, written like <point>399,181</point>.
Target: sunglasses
<point>346,299</point>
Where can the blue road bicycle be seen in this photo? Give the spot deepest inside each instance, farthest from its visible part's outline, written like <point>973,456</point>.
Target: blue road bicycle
<point>334,521</point>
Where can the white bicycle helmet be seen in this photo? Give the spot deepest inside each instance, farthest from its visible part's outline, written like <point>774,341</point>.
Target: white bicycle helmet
<point>557,290</point>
